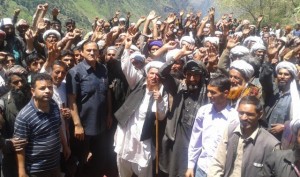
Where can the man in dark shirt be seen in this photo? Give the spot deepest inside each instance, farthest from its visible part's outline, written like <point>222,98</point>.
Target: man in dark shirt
<point>280,104</point>
<point>188,96</point>
<point>87,90</point>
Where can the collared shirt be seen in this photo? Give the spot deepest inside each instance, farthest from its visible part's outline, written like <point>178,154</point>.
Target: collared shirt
<point>127,139</point>
<point>41,130</point>
<point>90,87</point>
<point>207,133</point>
<point>243,142</point>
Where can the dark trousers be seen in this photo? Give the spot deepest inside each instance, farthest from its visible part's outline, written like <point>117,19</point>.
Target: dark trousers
<point>80,151</point>
<point>9,165</point>
<point>48,173</point>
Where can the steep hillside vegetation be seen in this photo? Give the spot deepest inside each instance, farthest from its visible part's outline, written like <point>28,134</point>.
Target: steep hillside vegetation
<point>84,11</point>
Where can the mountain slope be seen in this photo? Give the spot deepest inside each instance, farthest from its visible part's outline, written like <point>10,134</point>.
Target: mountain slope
<point>84,11</point>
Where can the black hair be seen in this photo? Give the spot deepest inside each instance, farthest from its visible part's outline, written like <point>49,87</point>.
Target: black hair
<point>10,75</point>
<point>70,21</point>
<point>88,42</point>
<point>254,101</point>
<point>221,81</point>
<point>64,53</point>
<point>10,55</point>
<point>76,48</point>
<point>39,77</point>
<point>60,63</point>
<point>33,57</point>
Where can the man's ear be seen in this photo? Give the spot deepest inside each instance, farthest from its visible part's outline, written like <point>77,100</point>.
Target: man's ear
<point>32,92</point>
<point>226,92</point>
<point>260,115</point>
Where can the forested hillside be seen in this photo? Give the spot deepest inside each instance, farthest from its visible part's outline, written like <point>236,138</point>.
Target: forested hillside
<point>84,11</point>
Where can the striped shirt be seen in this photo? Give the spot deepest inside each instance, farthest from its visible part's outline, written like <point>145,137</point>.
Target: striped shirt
<point>42,133</point>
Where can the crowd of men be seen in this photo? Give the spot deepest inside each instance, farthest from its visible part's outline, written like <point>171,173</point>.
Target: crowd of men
<point>181,97</point>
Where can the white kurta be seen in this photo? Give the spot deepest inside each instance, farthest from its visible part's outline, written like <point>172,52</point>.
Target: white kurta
<point>127,139</point>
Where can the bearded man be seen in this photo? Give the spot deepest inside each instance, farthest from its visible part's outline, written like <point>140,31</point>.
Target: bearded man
<point>10,104</point>
<point>281,105</point>
<point>240,74</point>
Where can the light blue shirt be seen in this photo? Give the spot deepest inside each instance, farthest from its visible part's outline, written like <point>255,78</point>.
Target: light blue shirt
<point>207,132</point>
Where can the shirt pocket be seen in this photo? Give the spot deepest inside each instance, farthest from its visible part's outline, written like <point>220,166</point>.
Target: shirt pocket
<point>87,88</point>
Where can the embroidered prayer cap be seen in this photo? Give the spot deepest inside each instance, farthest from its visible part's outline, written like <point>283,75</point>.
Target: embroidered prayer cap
<point>51,31</point>
<point>6,21</point>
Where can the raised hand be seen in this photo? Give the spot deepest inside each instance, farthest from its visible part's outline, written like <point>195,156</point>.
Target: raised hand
<point>55,11</point>
<point>181,13</point>
<point>232,42</point>
<point>204,20</point>
<point>156,19</point>
<point>199,14</point>
<point>17,12</point>
<point>151,15</point>
<point>141,19</point>
<point>128,42</point>
<point>260,18</point>
<point>29,36</point>
<point>171,18</point>
<point>211,12</point>
<point>117,13</point>
<point>170,45</point>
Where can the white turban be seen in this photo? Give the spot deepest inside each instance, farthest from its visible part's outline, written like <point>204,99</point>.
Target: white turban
<point>51,31</point>
<point>291,67</point>
<point>153,64</point>
<point>187,39</point>
<point>257,46</point>
<point>171,53</point>
<point>245,68</point>
<point>134,48</point>
<point>250,39</point>
<point>239,50</point>
<point>213,40</point>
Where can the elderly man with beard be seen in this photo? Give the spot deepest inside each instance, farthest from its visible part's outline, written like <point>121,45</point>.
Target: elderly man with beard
<point>188,96</point>
<point>133,138</point>
<point>281,103</point>
<point>258,50</point>
<point>10,104</point>
<point>240,74</point>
